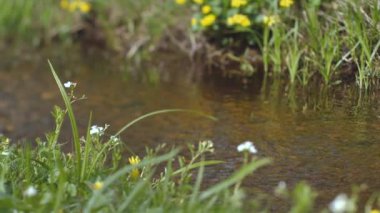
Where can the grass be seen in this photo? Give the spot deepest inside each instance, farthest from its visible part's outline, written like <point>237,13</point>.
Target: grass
<point>334,40</point>
<point>312,40</point>
<point>23,21</point>
<point>362,37</point>
<point>294,55</point>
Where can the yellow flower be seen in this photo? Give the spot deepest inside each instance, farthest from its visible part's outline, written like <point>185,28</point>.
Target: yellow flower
<point>97,185</point>
<point>238,3</point>
<point>198,1</point>
<point>134,160</point>
<point>286,3</point>
<point>135,173</point>
<point>206,9</point>
<point>194,22</point>
<point>375,211</point>
<point>84,7</point>
<point>208,20</point>
<point>180,2</point>
<point>270,20</point>
<point>74,5</point>
<point>239,19</point>
<point>64,4</point>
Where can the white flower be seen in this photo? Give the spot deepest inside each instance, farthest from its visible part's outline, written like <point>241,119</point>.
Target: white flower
<point>340,204</point>
<point>30,192</point>
<point>69,84</point>
<point>97,130</point>
<point>247,146</point>
<point>206,146</point>
<point>281,185</point>
<point>114,138</point>
<point>281,188</point>
<point>5,153</point>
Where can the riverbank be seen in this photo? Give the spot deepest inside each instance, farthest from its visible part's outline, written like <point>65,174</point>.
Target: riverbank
<point>329,42</point>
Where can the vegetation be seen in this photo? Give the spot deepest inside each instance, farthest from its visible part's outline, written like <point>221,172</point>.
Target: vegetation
<point>123,26</point>
<point>304,40</point>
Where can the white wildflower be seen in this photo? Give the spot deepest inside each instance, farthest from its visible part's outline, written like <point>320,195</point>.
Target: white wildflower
<point>281,188</point>
<point>247,146</point>
<point>69,84</point>
<point>97,130</point>
<point>30,192</point>
<point>340,204</point>
<point>207,146</point>
<point>281,185</point>
<point>114,138</point>
<point>5,153</point>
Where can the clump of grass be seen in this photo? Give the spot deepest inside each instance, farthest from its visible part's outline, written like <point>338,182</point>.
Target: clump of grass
<point>294,54</point>
<point>328,51</point>
<point>276,47</point>
<point>361,25</point>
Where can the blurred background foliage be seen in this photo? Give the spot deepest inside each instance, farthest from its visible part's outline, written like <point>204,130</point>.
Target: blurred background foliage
<point>114,23</point>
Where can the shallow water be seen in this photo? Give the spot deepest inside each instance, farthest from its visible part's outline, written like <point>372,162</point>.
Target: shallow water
<point>330,139</point>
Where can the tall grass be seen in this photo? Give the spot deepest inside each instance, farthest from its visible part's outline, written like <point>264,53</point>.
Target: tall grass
<point>361,25</point>
<point>30,21</point>
<point>333,41</point>
<point>293,57</point>
<point>330,37</point>
<point>265,49</point>
<point>328,51</point>
<point>278,37</point>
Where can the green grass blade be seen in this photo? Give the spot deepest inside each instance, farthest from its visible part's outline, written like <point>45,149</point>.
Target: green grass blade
<point>131,195</point>
<point>87,148</point>
<point>158,112</point>
<point>73,122</point>
<point>196,165</point>
<point>236,177</point>
<point>374,51</point>
<point>198,182</point>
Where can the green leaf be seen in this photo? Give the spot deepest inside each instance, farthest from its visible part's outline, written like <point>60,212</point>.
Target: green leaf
<point>73,122</point>
<point>236,177</point>
<point>196,165</point>
<point>158,112</point>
